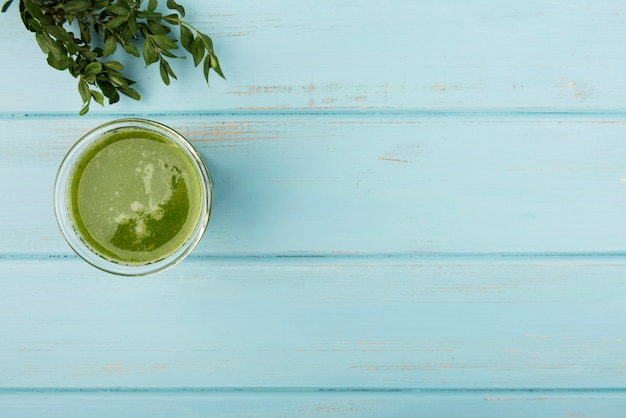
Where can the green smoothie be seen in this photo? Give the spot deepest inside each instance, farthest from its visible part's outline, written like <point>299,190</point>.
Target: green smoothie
<point>134,196</point>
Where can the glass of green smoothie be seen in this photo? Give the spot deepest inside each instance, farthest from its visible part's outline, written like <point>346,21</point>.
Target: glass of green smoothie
<point>133,197</point>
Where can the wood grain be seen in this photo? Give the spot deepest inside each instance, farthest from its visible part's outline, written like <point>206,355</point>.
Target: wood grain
<point>311,403</point>
<point>419,210</point>
<point>452,322</point>
<point>399,54</point>
<point>364,183</point>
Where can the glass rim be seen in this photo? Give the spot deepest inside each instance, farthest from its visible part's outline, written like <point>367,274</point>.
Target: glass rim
<point>61,206</point>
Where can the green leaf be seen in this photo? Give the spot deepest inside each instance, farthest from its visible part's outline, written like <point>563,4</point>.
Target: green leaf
<point>72,48</point>
<point>57,49</point>
<point>109,90</point>
<point>97,96</point>
<point>167,53</point>
<point>150,54</point>
<point>93,68</point>
<point>152,5</point>
<point>172,5</point>
<point>99,4</point>
<point>6,5</point>
<point>207,67</point>
<point>164,74</point>
<point>30,23</point>
<point>133,27</point>
<point>115,98</point>
<point>117,10</point>
<point>110,45</point>
<point>130,92</point>
<point>116,22</point>
<point>131,49</point>
<point>76,6</point>
<point>84,110</point>
<point>156,28</point>
<point>169,69</point>
<point>59,33</point>
<point>149,14</point>
<point>90,55</point>
<point>44,42</point>
<point>60,63</point>
<point>114,65</point>
<point>172,19</point>
<point>215,64</point>
<point>207,41</point>
<point>117,79</point>
<point>33,9</point>
<point>197,50</point>
<point>164,42</point>
<point>85,31</point>
<point>83,89</point>
<point>99,27</point>
<point>45,20</point>
<point>186,37</point>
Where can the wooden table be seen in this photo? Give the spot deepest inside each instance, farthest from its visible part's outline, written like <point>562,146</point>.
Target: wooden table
<point>419,211</point>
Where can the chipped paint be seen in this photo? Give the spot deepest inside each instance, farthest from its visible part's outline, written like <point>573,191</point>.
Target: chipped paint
<point>395,160</point>
<point>503,399</point>
<point>238,131</point>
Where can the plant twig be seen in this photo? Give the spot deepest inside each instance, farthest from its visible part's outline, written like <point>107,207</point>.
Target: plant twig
<point>103,26</point>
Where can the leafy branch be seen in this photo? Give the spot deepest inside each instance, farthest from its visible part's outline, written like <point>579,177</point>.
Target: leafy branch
<point>105,25</point>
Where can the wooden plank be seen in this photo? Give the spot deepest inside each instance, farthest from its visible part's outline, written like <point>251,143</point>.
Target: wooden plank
<point>414,201</point>
<point>364,54</point>
<point>314,404</point>
<point>447,322</point>
<point>363,183</point>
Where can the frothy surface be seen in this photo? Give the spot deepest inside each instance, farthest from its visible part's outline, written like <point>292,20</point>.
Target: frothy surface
<point>135,197</point>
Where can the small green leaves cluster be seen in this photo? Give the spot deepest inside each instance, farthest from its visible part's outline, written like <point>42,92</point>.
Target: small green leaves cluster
<point>103,27</point>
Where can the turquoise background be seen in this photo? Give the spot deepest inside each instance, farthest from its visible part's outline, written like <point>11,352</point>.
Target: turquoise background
<point>419,211</point>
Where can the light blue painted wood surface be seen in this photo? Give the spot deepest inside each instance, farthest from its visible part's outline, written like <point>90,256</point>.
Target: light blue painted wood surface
<point>363,54</point>
<point>447,322</point>
<point>419,209</point>
<point>367,183</point>
<point>305,403</point>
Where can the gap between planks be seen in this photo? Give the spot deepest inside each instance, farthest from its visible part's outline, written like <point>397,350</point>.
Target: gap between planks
<point>391,258</point>
<point>269,390</point>
<point>322,259</point>
<point>605,115</point>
